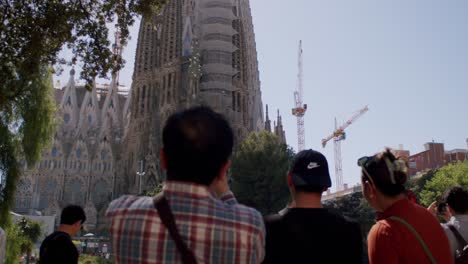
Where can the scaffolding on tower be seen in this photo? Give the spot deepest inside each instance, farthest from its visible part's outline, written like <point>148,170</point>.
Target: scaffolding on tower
<point>300,108</point>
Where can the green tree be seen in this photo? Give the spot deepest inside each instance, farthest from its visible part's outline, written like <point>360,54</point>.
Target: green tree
<point>31,232</point>
<point>354,206</point>
<point>155,191</point>
<point>416,185</point>
<point>32,33</point>
<point>448,176</point>
<point>25,128</point>
<point>14,240</point>
<point>259,169</point>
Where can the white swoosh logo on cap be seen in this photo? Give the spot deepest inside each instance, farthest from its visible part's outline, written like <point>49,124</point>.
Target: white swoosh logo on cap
<point>312,165</point>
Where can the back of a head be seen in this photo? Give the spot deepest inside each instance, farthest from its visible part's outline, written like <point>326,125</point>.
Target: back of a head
<point>71,214</point>
<point>389,173</point>
<point>197,142</point>
<point>309,171</point>
<point>457,199</point>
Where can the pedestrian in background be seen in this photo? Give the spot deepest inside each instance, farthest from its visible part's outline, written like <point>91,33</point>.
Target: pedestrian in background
<point>58,247</point>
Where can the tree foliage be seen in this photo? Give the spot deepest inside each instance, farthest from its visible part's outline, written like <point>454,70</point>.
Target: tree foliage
<point>259,169</point>
<point>21,239</point>
<point>14,240</point>
<point>354,206</point>
<point>32,33</point>
<point>416,185</point>
<point>25,128</point>
<point>448,176</point>
<point>31,232</point>
<point>154,191</point>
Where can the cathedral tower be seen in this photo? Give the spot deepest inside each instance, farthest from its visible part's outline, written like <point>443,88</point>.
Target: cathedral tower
<point>193,52</point>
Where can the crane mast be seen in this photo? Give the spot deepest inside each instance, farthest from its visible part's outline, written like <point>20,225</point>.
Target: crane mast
<point>337,136</point>
<point>300,108</point>
<point>338,161</point>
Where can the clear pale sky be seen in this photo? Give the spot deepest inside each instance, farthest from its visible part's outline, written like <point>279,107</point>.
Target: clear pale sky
<point>407,60</point>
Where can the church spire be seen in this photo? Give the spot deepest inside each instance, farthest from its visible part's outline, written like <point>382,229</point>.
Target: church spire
<point>279,131</point>
<point>267,121</point>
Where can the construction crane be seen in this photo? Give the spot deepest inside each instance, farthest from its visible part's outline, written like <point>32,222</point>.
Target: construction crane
<point>337,136</point>
<point>300,108</point>
<point>117,49</point>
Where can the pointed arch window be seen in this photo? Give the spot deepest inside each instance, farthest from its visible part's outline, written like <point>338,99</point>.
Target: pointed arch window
<point>54,152</point>
<point>78,153</point>
<point>69,100</point>
<point>103,155</point>
<point>66,118</point>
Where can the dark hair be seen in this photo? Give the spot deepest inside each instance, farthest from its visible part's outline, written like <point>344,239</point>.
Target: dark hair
<point>71,214</point>
<point>197,143</point>
<point>457,199</point>
<point>380,172</point>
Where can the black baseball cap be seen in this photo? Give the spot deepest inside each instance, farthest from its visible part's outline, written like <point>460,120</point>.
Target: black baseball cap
<point>310,168</point>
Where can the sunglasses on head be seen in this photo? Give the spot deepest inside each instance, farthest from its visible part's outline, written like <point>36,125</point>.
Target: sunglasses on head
<point>363,162</point>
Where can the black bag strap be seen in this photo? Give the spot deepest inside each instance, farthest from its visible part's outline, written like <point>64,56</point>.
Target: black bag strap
<point>165,213</point>
<point>461,241</point>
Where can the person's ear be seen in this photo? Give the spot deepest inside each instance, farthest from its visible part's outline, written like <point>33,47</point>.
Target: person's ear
<point>370,188</point>
<point>225,168</point>
<point>450,210</point>
<point>162,158</point>
<point>289,180</point>
<point>77,224</point>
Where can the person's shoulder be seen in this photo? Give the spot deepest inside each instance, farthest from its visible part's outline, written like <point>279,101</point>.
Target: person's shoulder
<point>274,223</point>
<point>249,211</point>
<point>57,238</point>
<point>383,228</point>
<point>128,202</point>
<point>246,215</point>
<point>273,219</point>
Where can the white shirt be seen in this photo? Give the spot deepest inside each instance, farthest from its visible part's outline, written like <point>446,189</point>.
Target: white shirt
<point>460,222</point>
<point>2,245</point>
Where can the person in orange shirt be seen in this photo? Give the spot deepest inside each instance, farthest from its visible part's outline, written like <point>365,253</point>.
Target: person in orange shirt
<point>405,232</point>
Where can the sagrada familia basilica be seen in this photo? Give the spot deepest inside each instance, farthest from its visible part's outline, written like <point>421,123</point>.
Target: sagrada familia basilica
<point>107,144</point>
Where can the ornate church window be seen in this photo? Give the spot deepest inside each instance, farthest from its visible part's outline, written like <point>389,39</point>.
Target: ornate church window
<point>103,155</point>
<point>69,100</point>
<point>90,119</point>
<point>78,153</point>
<point>66,118</point>
<point>54,152</point>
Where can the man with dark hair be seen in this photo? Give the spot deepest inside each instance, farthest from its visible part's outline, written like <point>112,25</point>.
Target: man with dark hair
<point>196,218</point>
<point>456,200</point>
<point>58,246</point>
<point>307,232</point>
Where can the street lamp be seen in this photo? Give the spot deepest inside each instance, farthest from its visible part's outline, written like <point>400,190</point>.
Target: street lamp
<point>140,174</point>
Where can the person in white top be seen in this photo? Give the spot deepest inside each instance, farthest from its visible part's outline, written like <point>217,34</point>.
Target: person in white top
<point>456,215</point>
<point>2,245</point>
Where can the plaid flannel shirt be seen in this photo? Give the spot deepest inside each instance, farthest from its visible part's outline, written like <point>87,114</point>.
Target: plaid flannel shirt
<point>216,230</point>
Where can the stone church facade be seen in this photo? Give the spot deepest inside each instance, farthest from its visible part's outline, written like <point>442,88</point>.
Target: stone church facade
<point>194,52</point>
<point>82,162</point>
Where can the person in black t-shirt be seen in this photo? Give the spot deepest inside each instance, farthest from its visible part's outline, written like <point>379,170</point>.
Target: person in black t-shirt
<point>308,233</point>
<point>58,246</point>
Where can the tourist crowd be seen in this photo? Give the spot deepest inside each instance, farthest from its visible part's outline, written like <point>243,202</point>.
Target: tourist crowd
<point>197,219</point>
